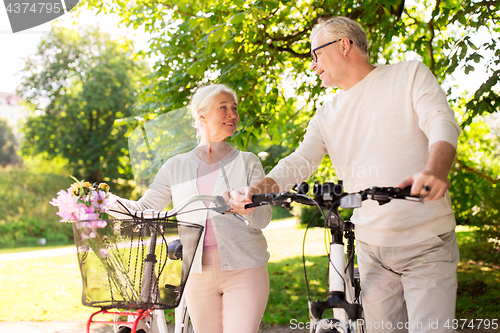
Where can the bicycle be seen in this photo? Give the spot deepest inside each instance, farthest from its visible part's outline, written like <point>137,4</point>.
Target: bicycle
<point>142,266</point>
<point>345,295</point>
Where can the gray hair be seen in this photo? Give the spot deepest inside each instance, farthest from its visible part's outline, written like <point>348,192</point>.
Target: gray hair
<point>201,100</point>
<point>340,26</point>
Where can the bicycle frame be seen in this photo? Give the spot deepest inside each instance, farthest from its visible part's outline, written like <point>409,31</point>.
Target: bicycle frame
<point>344,297</point>
<point>344,289</point>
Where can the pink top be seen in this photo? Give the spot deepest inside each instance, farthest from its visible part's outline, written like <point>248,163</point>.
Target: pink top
<point>205,182</point>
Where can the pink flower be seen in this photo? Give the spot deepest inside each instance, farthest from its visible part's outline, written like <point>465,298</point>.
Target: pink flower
<point>89,228</point>
<point>104,253</point>
<point>88,233</point>
<point>98,200</point>
<point>88,207</point>
<point>86,213</point>
<point>68,205</point>
<point>96,224</point>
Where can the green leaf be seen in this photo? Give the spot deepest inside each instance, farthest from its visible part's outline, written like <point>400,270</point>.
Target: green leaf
<point>237,18</point>
<point>216,35</point>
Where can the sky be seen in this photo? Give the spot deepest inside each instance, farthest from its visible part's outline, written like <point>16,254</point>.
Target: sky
<point>15,47</point>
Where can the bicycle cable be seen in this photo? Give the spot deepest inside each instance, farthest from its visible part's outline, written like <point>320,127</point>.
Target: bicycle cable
<point>304,255</point>
<point>329,259</point>
<point>304,240</point>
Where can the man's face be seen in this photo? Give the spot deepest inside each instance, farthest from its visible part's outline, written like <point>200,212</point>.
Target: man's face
<point>327,64</point>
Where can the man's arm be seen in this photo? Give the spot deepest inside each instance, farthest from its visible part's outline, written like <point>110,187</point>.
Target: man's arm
<point>291,170</point>
<point>432,183</point>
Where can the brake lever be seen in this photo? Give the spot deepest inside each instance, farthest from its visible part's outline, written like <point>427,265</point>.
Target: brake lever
<point>222,207</point>
<point>384,195</point>
<point>405,194</point>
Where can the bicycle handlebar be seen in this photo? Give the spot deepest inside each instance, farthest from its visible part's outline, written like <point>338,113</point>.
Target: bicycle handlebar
<point>220,206</point>
<point>329,193</point>
<point>279,199</point>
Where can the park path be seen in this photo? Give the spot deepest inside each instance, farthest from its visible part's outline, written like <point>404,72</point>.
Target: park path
<point>72,250</point>
<point>80,327</point>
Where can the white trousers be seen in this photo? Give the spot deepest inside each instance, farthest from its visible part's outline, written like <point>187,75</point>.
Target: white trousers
<point>226,301</point>
<point>409,288</point>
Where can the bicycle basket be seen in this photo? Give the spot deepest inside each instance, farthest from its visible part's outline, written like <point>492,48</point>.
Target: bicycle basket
<point>125,264</point>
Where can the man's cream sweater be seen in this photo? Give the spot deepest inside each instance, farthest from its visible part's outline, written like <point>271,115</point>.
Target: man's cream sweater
<point>378,133</point>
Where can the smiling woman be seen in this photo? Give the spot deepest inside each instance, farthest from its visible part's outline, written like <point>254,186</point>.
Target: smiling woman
<point>215,111</point>
<point>228,284</point>
<point>221,120</point>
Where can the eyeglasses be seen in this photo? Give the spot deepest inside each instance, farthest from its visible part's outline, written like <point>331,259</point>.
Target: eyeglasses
<point>314,56</point>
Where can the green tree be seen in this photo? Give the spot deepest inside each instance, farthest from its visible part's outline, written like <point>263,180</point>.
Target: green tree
<point>80,82</point>
<point>261,48</point>
<point>7,144</point>
<point>475,177</point>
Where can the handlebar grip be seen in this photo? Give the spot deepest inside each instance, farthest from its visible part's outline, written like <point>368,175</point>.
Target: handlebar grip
<point>256,198</point>
<point>405,191</point>
<point>254,204</point>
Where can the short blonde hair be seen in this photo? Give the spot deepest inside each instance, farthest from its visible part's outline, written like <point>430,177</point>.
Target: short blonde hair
<point>340,26</point>
<point>201,100</point>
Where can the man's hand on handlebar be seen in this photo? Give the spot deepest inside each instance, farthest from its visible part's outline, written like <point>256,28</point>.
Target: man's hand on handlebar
<point>432,183</point>
<point>426,185</point>
<point>238,198</point>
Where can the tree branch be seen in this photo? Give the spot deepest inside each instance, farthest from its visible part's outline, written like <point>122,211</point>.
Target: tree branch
<point>430,26</point>
<point>473,7</point>
<point>289,38</point>
<point>175,10</point>
<point>289,50</point>
<point>488,178</point>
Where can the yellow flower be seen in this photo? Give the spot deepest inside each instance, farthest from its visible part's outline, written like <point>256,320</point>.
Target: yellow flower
<point>103,186</point>
<point>74,189</point>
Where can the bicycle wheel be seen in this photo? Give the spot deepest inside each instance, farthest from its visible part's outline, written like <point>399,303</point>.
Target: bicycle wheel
<point>144,325</point>
<point>185,325</point>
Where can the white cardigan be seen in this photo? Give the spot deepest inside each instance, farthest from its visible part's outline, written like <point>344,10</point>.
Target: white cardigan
<point>240,246</point>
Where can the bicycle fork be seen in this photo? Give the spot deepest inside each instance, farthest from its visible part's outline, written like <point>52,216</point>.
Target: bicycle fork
<point>150,291</point>
<point>342,288</point>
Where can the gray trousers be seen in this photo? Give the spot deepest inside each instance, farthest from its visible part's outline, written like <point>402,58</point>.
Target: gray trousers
<point>409,288</point>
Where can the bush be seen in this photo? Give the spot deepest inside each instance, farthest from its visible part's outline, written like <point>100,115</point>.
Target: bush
<point>476,203</point>
<point>7,144</point>
<point>305,213</point>
<point>280,213</point>
<point>26,212</point>
<point>27,215</point>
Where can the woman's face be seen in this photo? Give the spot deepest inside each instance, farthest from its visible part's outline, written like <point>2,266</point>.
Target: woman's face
<point>222,117</point>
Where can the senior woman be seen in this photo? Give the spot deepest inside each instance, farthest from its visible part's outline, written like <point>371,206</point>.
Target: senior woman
<point>228,285</point>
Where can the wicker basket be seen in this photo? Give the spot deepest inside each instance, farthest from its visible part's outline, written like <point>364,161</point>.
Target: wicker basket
<point>126,264</point>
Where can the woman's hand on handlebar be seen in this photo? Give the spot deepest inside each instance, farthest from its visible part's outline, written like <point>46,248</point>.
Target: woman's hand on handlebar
<point>238,198</point>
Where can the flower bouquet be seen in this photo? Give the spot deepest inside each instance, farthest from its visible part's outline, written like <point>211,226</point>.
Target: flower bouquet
<point>98,240</point>
<point>125,263</point>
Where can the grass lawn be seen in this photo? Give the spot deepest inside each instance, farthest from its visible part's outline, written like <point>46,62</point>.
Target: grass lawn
<point>33,248</point>
<point>479,278</point>
<point>50,288</point>
<point>41,289</point>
